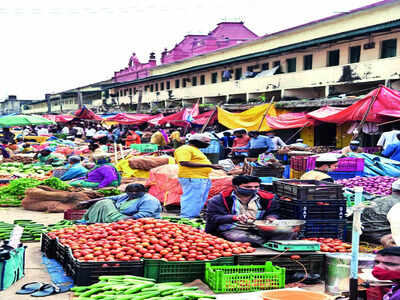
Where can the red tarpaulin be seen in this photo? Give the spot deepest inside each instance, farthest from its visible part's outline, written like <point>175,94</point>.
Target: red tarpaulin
<point>324,112</point>
<point>290,120</point>
<point>132,119</point>
<point>87,114</point>
<point>386,100</point>
<point>59,118</point>
<point>177,119</point>
<point>203,118</point>
<point>390,113</point>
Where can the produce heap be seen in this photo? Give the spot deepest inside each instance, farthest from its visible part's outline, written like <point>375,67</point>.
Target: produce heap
<point>331,245</point>
<point>379,185</point>
<point>132,240</point>
<point>20,169</point>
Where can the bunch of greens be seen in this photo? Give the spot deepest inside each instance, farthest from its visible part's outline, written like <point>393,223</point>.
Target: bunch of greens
<point>56,183</point>
<point>109,192</point>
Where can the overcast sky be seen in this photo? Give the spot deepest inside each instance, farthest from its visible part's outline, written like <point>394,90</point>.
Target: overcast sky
<point>47,46</point>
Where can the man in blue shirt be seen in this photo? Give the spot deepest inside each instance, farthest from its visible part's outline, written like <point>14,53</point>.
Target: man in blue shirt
<point>213,150</point>
<point>392,151</point>
<point>259,144</point>
<point>75,169</point>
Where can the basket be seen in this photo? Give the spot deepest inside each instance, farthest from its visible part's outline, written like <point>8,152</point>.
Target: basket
<point>312,210</point>
<point>317,190</point>
<point>74,214</point>
<point>313,262</point>
<point>48,246</point>
<point>145,148</point>
<point>238,279</point>
<point>184,271</point>
<point>296,174</point>
<point>324,229</point>
<point>337,175</point>
<point>12,268</point>
<point>87,273</point>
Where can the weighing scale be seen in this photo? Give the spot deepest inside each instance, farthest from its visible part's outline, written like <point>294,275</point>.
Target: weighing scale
<point>295,245</point>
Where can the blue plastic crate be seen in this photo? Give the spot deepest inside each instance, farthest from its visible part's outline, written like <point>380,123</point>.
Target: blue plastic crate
<point>324,229</point>
<point>268,179</point>
<point>345,175</point>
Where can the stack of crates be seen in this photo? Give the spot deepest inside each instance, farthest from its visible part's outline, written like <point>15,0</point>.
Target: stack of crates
<point>320,204</point>
<point>298,166</point>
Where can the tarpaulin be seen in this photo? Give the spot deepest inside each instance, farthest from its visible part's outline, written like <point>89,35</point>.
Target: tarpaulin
<point>178,119</point>
<point>175,119</point>
<point>324,112</point>
<point>390,113</point>
<point>386,100</point>
<point>59,118</point>
<point>87,114</point>
<point>290,120</point>
<point>131,119</point>
<point>204,117</point>
<point>249,119</point>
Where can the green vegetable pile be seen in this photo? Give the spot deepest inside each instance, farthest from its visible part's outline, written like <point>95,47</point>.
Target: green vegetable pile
<point>196,223</point>
<point>23,170</point>
<point>127,287</point>
<point>109,192</point>
<point>32,230</point>
<point>56,183</point>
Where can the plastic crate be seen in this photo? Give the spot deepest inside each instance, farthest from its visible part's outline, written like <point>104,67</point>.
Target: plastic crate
<point>238,279</point>
<point>145,148</point>
<point>12,268</point>
<point>261,171</point>
<point>74,214</point>
<point>324,229</point>
<point>48,246</point>
<point>371,150</point>
<point>313,262</point>
<point>296,174</point>
<point>312,210</point>
<point>337,175</point>
<point>351,164</point>
<point>298,163</point>
<point>318,190</point>
<point>61,253</point>
<point>184,271</point>
<point>86,273</point>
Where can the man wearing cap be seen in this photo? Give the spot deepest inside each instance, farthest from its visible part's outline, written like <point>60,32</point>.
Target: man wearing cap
<point>387,267</point>
<point>353,147</point>
<point>75,169</point>
<point>325,163</point>
<point>259,144</point>
<point>193,175</point>
<point>300,144</point>
<point>134,204</point>
<point>392,151</point>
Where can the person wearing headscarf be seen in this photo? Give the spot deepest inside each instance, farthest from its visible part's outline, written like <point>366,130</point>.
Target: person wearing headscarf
<point>102,175</point>
<point>46,157</point>
<point>135,203</point>
<point>353,147</point>
<point>74,169</point>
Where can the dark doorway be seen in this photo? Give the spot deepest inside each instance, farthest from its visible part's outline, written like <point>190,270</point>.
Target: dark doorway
<point>325,135</point>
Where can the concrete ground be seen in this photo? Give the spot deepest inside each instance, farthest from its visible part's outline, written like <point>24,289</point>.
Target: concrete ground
<point>35,271</point>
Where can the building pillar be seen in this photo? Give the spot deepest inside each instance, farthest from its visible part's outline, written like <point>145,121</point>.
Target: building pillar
<point>327,89</point>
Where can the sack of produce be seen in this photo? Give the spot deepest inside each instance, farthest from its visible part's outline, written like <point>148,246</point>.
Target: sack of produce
<point>147,162</point>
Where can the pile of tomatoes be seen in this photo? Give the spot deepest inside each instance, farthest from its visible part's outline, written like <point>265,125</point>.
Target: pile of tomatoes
<point>332,245</point>
<point>132,240</point>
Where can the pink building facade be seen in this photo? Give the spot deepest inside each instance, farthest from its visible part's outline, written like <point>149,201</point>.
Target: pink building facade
<point>226,34</point>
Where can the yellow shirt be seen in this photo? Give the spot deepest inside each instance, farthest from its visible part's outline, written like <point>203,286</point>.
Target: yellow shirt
<point>192,154</point>
<point>158,139</point>
<point>176,136</point>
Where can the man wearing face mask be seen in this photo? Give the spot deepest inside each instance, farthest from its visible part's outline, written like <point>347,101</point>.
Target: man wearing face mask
<point>325,163</point>
<point>231,213</point>
<point>353,147</point>
<point>134,204</point>
<point>193,175</point>
<point>387,267</point>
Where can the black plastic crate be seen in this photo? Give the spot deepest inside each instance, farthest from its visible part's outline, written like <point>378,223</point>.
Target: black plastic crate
<point>312,210</point>
<point>317,190</point>
<point>61,253</point>
<point>324,229</point>
<point>48,246</point>
<point>87,273</point>
<point>313,262</point>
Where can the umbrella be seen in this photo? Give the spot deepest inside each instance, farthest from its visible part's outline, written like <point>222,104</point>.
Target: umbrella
<point>23,120</point>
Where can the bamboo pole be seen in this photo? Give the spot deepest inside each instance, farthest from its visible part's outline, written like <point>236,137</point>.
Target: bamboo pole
<point>208,121</point>
<point>298,131</point>
<point>266,113</point>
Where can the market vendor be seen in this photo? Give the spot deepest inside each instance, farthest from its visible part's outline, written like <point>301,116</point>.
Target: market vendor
<point>259,144</point>
<point>353,147</point>
<point>46,157</point>
<point>300,144</point>
<point>132,138</point>
<point>230,214</point>
<point>102,175</point>
<point>387,267</point>
<point>392,151</point>
<point>74,169</point>
<point>134,204</point>
<point>324,163</point>
<point>240,142</point>
<point>160,138</point>
<point>276,140</point>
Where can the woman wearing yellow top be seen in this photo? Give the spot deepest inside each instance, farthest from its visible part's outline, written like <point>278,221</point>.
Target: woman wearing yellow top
<point>193,175</point>
<point>175,138</point>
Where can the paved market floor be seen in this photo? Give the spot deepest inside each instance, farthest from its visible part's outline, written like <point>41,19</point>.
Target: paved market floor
<point>36,271</point>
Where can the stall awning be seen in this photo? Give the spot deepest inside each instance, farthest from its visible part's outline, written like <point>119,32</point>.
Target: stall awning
<point>59,118</point>
<point>131,119</point>
<point>87,114</point>
<point>290,120</point>
<point>390,113</point>
<point>324,112</point>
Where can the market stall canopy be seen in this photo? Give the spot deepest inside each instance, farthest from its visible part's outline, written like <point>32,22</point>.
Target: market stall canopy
<point>59,118</point>
<point>131,119</point>
<point>249,119</point>
<point>390,113</point>
<point>204,117</point>
<point>386,100</point>
<point>290,120</point>
<point>324,112</point>
<point>87,114</point>
<point>176,119</point>
<point>24,120</point>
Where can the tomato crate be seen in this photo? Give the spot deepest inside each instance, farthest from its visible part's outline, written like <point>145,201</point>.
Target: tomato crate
<point>61,253</point>
<point>308,190</point>
<point>324,229</point>
<point>249,278</point>
<point>48,246</point>
<point>184,271</point>
<point>74,214</point>
<point>313,210</point>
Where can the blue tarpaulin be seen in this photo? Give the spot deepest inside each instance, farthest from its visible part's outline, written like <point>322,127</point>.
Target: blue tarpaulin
<point>375,165</point>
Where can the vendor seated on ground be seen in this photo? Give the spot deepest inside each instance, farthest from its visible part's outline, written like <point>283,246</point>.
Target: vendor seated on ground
<point>230,213</point>
<point>46,157</point>
<point>102,175</point>
<point>26,148</point>
<point>387,267</point>
<point>325,163</point>
<point>74,169</point>
<point>299,143</point>
<point>134,204</point>
<point>353,147</point>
